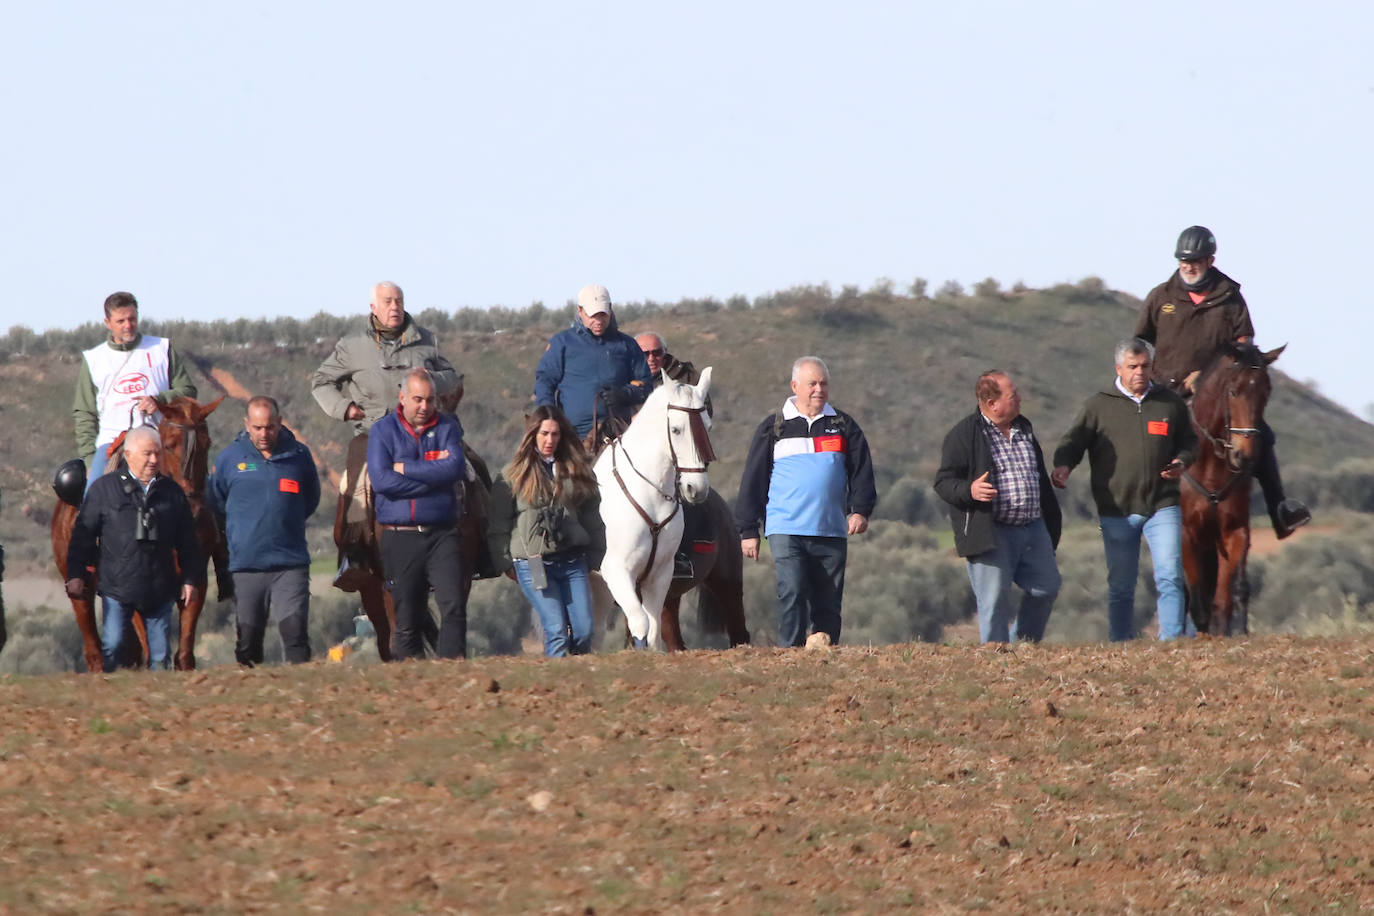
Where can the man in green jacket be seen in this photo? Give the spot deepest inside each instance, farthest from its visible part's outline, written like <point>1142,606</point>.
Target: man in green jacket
<point>1139,439</point>
<point>122,381</point>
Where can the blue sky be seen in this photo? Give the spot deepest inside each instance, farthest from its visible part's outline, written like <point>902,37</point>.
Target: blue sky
<point>266,159</point>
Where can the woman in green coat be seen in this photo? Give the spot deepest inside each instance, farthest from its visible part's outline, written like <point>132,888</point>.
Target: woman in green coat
<point>545,530</point>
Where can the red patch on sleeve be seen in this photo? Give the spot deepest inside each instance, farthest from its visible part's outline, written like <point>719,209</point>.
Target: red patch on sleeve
<point>1158,427</point>
<point>432,456</point>
<point>829,443</point>
<point>288,486</point>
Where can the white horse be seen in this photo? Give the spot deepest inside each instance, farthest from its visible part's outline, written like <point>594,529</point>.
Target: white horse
<point>643,476</point>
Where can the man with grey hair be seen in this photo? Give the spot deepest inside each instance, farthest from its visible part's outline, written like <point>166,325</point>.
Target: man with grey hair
<point>809,478</point>
<point>358,383</point>
<point>135,528</point>
<point>1139,438</point>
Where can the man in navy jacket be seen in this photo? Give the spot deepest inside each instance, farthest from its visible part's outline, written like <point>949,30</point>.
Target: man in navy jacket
<point>592,370</point>
<point>415,460</point>
<point>263,488</point>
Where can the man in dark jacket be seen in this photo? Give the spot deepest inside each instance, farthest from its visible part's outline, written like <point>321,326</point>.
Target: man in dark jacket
<point>263,488</point>
<point>135,527</point>
<point>1139,438</point>
<point>1187,318</point>
<point>415,458</point>
<point>1005,517</point>
<point>809,477</point>
<point>592,370</point>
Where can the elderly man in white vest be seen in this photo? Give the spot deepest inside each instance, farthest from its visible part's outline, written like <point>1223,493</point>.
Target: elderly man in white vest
<point>122,383</point>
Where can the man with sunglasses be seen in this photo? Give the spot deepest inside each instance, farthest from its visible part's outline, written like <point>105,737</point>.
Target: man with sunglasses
<point>592,370</point>
<point>1187,318</point>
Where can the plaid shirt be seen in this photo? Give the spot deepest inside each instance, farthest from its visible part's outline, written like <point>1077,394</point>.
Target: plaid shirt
<point>1018,476</point>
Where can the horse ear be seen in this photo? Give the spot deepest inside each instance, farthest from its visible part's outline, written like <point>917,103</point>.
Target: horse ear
<point>704,385</point>
<point>210,408</point>
<point>1274,354</point>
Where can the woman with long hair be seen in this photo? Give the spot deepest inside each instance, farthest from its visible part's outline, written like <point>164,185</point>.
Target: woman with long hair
<point>545,530</point>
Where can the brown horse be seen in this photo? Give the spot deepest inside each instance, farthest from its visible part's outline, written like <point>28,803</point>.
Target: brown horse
<point>185,454</point>
<point>1227,412</point>
<point>718,576</point>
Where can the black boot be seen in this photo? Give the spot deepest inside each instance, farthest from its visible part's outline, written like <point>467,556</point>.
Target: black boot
<point>1287,515</point>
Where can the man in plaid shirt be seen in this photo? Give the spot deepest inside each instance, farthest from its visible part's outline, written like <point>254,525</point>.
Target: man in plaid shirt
<point>1006,519</point>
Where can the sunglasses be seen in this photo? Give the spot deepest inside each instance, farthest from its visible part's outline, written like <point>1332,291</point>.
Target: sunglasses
<point>656,353</point>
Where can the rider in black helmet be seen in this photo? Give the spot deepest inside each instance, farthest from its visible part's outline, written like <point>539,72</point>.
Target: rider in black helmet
<point>1187,317</point>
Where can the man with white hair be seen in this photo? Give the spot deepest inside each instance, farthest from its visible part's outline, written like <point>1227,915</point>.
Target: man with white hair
<point>135,527</point>
<point>359,383</point>
<point>809,477</point>
<point>592,370</point>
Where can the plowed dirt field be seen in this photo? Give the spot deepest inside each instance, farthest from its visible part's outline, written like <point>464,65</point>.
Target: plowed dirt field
<point>1203,777</point>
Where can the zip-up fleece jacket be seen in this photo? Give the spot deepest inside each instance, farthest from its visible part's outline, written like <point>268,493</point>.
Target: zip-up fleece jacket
<point>578,366</point>
<point>1128,444</point>
<point>264,502</point>
<point>138,573</point>
<point>809,479</point>
<point>367,369</point>
<point>511,535</point>
<point>964,458</point>
<point>1184,334</point>
<point>424,494</point>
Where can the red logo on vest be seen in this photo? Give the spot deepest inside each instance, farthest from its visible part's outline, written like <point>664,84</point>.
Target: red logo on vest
<point>433,456</point>
<point>1158,427</point>
<point>829,443</point>
<point>136,383</point>
<point>287,485</point>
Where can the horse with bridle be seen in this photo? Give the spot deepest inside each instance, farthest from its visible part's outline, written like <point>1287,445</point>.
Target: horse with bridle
<point>1227,412</point>
<point>185,449</point>
<point>644,476</point>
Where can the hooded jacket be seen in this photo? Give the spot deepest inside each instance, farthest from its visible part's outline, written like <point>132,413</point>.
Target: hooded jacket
<point>140,573</point>
<point>367,369</point>
<point>1186,335</point>
<point>265,502</point>
<point>578,366</point>
<point>1128,444</point>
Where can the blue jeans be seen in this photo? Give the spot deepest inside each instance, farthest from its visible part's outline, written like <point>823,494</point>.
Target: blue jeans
<point>98,463</point>
<point>1121,542</point>
<point>564,605</point>
<point>1024,557</point>
<point>115,621</point>
<point>810,572</point>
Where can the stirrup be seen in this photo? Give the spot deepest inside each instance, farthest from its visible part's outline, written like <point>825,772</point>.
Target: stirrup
<point>682,567</point>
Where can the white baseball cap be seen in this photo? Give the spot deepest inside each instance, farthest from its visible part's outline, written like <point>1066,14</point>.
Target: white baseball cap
<point>594,299</point>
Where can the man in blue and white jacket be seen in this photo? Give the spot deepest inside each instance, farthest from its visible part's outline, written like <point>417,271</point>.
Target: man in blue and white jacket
<point>263,488</point>
<point>809,476</point>
<point>415,460</point>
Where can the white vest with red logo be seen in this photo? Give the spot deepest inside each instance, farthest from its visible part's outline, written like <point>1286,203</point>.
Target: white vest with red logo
<point>121,377</point>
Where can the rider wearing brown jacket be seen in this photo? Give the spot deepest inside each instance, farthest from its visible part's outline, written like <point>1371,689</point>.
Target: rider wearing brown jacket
<point>1187,318</point>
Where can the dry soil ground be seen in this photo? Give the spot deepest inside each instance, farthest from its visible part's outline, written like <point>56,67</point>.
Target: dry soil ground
<point>1207,777</point>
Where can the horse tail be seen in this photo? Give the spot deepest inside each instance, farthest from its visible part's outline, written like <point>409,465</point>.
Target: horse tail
<point>710,612</point>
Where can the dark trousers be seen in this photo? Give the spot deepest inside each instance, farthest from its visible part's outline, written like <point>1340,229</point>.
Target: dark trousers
<point>810,574</point>
<point>415,562</point>
<point>285,595</point>
<point>1267,472</point>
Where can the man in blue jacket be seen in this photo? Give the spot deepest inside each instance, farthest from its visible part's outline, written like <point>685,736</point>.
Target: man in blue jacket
<point>592,370</point>
<point>809,476</point>
<point>263,488</point>
<point>415,459</point>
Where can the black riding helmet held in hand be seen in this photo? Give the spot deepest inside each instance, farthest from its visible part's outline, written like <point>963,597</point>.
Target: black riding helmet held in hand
<point>1196,243</point>
<point>69,483</point>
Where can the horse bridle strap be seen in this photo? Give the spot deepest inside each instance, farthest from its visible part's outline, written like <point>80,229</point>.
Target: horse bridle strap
<point>700,438</point>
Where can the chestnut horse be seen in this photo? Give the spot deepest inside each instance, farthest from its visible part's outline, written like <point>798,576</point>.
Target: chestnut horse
<point>185,458</point>
<point>718,576</point>
<point>1227,411</point>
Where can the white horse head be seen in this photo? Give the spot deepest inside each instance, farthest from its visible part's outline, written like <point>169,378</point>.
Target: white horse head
<point>671,432</point>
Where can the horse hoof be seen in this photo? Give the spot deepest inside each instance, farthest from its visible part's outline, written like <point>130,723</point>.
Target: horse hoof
<point>184,662</point>
<point>639,643</point>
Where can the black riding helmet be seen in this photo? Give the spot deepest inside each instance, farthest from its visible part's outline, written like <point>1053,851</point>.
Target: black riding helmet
<point>69,483</point>
<point>1195,243</point>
